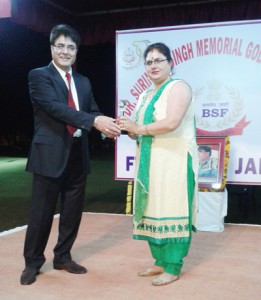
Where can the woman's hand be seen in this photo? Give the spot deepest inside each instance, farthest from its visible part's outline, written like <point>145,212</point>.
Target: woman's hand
<point>127,125</point>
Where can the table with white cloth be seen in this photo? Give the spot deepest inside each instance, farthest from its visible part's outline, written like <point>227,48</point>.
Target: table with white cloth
<point>212,209</point>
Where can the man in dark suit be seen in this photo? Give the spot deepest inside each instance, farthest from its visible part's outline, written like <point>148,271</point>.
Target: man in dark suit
<point>59,158</point>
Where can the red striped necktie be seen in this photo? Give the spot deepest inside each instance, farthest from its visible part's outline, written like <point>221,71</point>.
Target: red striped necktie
<point>71,103</point>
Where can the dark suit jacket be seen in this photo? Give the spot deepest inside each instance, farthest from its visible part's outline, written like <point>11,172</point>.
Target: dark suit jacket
<point>51,142</point>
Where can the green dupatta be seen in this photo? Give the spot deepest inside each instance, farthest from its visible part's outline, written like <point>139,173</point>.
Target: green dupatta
<point>144,141</point>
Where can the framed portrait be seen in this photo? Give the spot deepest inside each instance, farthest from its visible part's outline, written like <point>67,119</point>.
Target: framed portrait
<point>212,168</point>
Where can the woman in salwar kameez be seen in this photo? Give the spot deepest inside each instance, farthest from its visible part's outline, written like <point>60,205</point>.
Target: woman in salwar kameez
<point>166,166</point>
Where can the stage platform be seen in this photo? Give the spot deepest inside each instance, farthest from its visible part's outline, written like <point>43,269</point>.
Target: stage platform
<point>225,265</point>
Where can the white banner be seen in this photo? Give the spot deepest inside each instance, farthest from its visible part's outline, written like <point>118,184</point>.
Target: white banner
<point>222,63</point>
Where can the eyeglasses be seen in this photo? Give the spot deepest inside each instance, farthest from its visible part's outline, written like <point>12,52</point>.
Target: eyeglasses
<point>156,62</point>
<point>61,47</point>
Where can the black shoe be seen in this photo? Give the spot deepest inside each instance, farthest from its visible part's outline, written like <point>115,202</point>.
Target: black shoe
<point>70,266</point>
<point>28,276</point>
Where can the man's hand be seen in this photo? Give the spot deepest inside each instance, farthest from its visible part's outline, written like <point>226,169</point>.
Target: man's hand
<point>107,126</point>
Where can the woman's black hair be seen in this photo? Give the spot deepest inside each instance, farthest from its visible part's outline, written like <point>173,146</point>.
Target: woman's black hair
<point>162,48</point>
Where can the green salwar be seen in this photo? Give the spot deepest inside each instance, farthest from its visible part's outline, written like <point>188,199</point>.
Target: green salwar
<point>170,256</point>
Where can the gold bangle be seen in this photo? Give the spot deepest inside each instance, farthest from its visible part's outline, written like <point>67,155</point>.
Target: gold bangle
<point>146,129</point>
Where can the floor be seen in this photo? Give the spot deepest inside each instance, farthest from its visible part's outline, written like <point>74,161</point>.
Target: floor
<point>224,265</point>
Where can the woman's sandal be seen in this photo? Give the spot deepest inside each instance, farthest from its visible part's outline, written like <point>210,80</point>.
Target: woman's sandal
<point>149,272</point>
<point>161,281</point>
